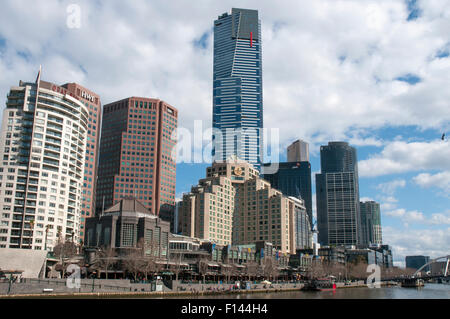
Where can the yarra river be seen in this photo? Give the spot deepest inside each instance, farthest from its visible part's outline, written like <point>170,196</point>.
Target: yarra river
<point>430,291</point>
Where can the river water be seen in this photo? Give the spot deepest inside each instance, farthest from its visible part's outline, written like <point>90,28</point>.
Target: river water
<point>430,291</point>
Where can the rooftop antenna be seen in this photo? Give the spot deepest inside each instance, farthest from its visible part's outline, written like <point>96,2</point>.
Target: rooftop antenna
<point>38,78</point>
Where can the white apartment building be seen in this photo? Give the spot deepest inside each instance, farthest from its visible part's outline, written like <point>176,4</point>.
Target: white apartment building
<point>42,154</point>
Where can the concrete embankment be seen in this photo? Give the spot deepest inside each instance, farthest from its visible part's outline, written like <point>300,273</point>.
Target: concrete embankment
<point>127,290</point>
<point>154,294</point>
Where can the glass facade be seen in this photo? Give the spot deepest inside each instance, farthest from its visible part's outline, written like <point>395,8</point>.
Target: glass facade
<point>237,92</point>
<point>293,179</point>
<point>371,222</point>
<point>415,262</point>
<point>337,193</point>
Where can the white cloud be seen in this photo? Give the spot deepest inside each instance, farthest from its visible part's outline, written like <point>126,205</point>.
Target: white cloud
<point>387,206</point>
<point>389,188</point>
<point>416,217</point>
<point>329,66</point>
<point>440,180</point>
<point>400,157</point>
<point>433,243</point>
<point>407,217</point>
<point>440,219</point>
<point>396,213</point>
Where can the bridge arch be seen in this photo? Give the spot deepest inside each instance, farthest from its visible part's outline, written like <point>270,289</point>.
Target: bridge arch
<point>433,261</point>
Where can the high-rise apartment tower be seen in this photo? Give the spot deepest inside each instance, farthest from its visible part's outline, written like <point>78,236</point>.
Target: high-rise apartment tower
<point>48,148</point>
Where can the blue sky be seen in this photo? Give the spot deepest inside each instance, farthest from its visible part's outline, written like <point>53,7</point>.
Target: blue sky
<point>374,73</point>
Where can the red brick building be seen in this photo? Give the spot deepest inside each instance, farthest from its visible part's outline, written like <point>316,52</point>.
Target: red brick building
<point>136,154</point>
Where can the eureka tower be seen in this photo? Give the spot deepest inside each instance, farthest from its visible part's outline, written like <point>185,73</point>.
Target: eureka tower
<point>237,95</point>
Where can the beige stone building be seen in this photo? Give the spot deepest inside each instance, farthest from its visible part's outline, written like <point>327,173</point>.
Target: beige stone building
<point>233,205</point>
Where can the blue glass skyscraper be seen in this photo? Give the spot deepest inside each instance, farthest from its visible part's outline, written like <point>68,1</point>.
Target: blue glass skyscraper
<point>237,95</point>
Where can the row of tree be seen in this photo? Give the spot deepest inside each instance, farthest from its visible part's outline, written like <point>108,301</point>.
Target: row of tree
<point>146,261</point>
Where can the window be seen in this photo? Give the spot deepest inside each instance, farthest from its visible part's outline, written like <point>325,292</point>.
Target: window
<point>128,235</point>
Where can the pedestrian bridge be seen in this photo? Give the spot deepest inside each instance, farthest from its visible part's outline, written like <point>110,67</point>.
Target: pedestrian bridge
<point>444,258</point>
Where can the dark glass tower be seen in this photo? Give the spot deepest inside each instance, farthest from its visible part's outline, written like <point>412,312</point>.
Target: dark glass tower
<point>337,194</point>
<point>293,179</point>
<point>237,92</point>
<point>415,262</point>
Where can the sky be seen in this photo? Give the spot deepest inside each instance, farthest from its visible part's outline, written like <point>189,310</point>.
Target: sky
<point>375,74</point>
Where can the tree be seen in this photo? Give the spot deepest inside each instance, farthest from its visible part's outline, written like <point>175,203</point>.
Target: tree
<point>227,271</point>
<point>152,262</point>
<point>133,262</point>
<point>251,269</point>
<point>64,250</point>
<point>275,272</point>
<point>358,270</point>
<point>105,258</point>
<point>176,266</point>
<point>203,268</point>
<point>316,269</point>
<point>148,266</point>
<point>268,267</point>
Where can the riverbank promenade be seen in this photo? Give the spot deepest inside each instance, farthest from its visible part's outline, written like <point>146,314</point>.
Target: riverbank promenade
<point>101,288</point>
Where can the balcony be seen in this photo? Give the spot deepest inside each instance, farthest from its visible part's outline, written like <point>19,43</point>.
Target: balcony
<point>52,140</point>
<point>51,133</point>
<point>54,155</point>
<point>51,162</point>
<point>54,126</point>
<point>53,148</point>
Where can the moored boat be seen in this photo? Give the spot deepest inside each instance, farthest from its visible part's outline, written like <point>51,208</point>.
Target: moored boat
<point>412,283</point>
<point>319,285</point>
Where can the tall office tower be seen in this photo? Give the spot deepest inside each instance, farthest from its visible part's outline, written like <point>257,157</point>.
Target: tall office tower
<point>135,155</point>
<point>43,147</point>
<point>298,152</point>
<point>337,195</point>
<point>237,93</point>
<point>371,223</point>
<point>233,205</point>
<point>293,179</point>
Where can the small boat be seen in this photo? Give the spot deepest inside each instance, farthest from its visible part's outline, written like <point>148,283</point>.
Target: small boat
<point>319,285</point>
<point>412,283</point>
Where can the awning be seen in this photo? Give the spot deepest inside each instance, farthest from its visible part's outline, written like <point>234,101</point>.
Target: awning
<point>172,263</point>
<point>213,264</point>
